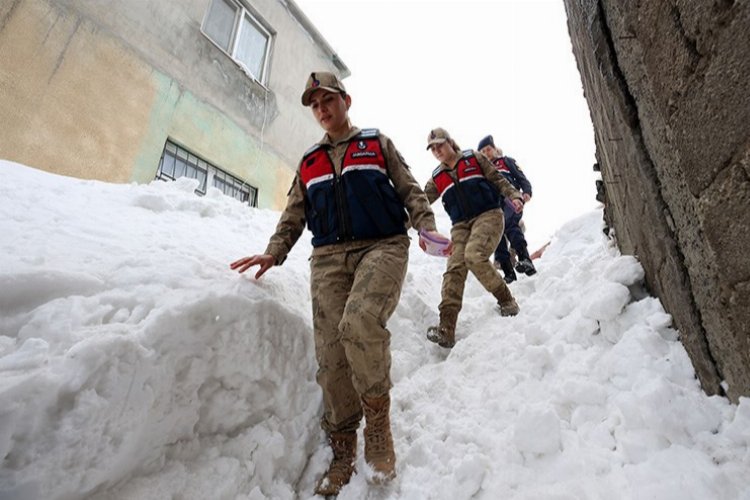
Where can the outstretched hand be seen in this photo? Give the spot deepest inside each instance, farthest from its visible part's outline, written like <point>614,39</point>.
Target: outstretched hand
<point>265,261</point>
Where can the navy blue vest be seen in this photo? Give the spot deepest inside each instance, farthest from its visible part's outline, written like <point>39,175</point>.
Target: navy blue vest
<point>359,204</point>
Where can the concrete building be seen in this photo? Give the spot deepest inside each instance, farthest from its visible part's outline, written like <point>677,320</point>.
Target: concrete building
<point>137,90</point>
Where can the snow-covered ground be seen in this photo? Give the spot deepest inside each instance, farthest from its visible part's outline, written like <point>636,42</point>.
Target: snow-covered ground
<point>134,364</point>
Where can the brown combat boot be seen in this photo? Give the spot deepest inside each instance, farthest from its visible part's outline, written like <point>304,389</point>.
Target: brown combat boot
<point>444,334</point>
<point>506,302</point>
<point>344,445</point>
<point>379,453</point>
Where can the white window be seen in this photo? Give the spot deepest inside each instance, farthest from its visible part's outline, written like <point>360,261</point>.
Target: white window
<point>241,34</point>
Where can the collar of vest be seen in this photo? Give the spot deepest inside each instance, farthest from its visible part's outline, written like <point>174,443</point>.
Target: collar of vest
<point>464,154</point>
<point>365,133</point>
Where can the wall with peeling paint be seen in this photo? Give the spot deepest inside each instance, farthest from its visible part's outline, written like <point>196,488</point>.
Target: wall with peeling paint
<point>92,89</point>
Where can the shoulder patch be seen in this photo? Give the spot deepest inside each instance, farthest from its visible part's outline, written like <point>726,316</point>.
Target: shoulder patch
<point>468,153</point>
<point>310,151</point>
<point>436,171</point>
<point>368,133</point>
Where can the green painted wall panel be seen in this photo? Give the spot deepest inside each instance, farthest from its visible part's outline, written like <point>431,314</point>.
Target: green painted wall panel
<point>206,132</point>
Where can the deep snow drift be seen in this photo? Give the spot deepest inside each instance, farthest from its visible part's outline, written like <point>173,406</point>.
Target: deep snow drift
<point>134,364</point>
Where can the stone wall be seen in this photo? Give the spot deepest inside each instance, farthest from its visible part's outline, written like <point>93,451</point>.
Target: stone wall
<point>668,88</point>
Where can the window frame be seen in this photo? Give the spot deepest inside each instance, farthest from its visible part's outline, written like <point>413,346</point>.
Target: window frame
<point>210,172</point>
<point>243,9</point>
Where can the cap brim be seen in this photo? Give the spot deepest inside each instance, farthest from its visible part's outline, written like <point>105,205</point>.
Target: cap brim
<point>309,92</point>
<point>435,141</point>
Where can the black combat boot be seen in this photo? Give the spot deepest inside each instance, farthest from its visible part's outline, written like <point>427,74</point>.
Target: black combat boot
<point>508,272</point>
<point>525,265</point>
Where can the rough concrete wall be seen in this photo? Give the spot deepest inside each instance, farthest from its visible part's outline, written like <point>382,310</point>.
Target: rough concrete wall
<point>667,86</point>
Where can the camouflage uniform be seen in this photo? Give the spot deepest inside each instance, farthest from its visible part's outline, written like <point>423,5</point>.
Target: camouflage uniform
<point>355,287</point>
<point>474,241</point>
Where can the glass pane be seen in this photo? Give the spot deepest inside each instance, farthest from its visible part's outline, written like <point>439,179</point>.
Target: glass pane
<point>179,170</point>
<point>220,22</point>
<point>168,165</point>
<point>202,181</point>
<point>251,49</point>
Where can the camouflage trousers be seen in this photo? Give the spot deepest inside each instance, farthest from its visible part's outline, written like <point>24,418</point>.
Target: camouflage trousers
<point>474,241</point>
<point>353,294</point>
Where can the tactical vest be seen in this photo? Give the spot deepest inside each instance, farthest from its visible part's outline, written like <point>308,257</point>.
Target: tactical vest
<point>359,204</point>
<point>503,168</point>
<point>470,194</point>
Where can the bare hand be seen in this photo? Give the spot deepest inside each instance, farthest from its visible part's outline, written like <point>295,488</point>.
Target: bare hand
<point>265,261</point>
<point>517,205</point>
<point>526,198</point>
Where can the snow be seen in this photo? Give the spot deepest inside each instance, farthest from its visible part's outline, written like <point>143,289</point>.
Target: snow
<point>134,364</point>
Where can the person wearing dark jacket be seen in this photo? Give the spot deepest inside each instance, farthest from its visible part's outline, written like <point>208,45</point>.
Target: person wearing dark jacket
<point>513,233</point>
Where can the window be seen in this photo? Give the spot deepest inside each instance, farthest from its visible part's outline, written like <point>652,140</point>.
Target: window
<point>232,186</point>
<point>240,34</point>
<point>178,162</point>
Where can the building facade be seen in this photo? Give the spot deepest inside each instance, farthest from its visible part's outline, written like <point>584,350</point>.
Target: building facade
<point>135,91</point>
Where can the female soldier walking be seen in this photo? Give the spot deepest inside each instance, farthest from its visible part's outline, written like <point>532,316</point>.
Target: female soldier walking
<point>472,191</point>
<point>353,190</point>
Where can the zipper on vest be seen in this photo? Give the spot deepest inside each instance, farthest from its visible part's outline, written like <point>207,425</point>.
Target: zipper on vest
<point>345,225</point>
<point>461,197</point>
<point>342,208</point>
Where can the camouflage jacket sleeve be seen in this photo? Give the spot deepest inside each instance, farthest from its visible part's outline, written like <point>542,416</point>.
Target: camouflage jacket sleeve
<point>497,179</point>
<point>414,199</point>
<point>291,224</point>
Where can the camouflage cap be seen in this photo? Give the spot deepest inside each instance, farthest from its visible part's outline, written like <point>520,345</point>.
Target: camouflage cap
<point>437,136</point>
<point>321,80</point>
